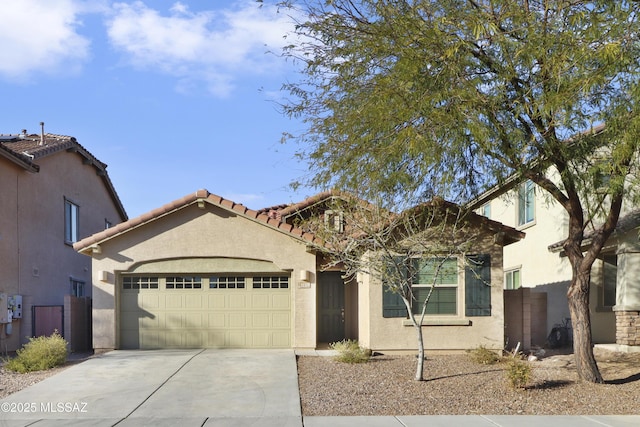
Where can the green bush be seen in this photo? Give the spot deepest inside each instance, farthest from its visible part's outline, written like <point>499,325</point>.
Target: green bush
<point>39,354</point>
<point>518,372</point>
<point>349,351</point>
<point>483,356</point>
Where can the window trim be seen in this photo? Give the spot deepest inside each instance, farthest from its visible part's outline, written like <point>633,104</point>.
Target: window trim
<point>517,269</point>
<point>526,189</point>
<point>447,285</point>
<point>602,291</point>
<point>71,221</point>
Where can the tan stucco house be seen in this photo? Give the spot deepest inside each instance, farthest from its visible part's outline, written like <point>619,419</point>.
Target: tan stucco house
<point>538,267</point>
<point>203,271</point>
<point>53,192</point>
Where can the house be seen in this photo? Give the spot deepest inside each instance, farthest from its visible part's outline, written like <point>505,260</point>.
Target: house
<point>203,271</point>
<point>53,192</point>
<point>538,266</point>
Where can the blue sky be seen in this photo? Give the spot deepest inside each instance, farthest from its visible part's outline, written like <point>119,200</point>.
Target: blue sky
<point>173,96</point>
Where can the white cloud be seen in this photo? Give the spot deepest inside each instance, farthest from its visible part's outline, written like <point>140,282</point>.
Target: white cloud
<point>205,48</point>
<point>39,36</point>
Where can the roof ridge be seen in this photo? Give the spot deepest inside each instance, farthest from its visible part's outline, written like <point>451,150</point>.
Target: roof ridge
<point>189,199</point>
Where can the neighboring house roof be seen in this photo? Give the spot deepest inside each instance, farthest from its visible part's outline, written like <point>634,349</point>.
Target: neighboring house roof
<point>625,224</point>
<point>25,149</point>
<point>200,196</point>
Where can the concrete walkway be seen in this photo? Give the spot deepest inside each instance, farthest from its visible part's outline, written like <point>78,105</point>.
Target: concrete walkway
<point>212,388</point>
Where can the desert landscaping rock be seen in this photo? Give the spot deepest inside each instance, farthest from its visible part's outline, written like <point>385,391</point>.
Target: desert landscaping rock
<point>455,385</point>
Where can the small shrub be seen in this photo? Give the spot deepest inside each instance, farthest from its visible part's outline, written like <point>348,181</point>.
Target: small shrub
<point>39,354</point>
<point>349,351</point>
<point>483,356</point>
<point>518,372</point>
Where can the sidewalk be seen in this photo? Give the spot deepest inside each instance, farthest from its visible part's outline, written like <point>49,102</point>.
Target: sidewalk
<point>477,421</point>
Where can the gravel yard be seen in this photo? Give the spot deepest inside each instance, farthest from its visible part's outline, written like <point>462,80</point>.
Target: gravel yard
<point>458,386</point>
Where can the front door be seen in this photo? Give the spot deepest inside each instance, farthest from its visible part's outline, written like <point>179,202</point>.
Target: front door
<point>331,290</point>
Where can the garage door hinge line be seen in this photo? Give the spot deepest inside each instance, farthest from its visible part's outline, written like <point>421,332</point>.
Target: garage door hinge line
<point>160,386</point>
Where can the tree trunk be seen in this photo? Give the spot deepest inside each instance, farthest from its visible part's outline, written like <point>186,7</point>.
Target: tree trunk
<point>420,366</point>
<point>578,296</point>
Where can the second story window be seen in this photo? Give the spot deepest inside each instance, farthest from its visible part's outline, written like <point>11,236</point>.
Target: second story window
<point>526,203</point>
<point>485,210</point>
<point>71,216</point>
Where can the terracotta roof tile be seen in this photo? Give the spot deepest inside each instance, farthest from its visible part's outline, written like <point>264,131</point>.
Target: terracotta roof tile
<point>123,227</point>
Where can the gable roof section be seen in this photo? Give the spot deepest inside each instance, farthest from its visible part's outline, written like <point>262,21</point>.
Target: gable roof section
<point>200,196</point>
<point>24,149</point>
<point>284,212</point>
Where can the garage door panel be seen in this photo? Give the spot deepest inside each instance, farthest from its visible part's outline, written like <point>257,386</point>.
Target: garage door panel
<point>214,318</point>
<point>238,320</point>
<point>281,301</point>
<point>174,301</point>
<point>237,301</point>
<point>217,301</point>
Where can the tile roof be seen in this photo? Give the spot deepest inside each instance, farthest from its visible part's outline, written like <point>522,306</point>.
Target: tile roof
<point>201,195</point>
<point>26,149</point>
<point>625,224</point>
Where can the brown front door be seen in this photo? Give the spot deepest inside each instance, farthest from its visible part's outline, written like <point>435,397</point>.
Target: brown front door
<point>331,291</point>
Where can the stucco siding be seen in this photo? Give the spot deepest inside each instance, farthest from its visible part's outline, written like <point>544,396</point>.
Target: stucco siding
<point>36,261</point>
<point>208,233</point>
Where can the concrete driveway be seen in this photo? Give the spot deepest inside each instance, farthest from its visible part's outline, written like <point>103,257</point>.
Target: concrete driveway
<point>165,387</point>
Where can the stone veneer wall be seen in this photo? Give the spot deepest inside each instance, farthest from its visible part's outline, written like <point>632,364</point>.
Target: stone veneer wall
<point>628,327</point>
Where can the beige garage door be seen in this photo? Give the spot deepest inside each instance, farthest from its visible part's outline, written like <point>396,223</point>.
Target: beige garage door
<point>205,312</point>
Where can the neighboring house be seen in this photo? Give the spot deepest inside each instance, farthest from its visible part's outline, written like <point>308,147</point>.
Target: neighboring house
<point>537,264</point>
<point>203,271</point>
<point>52,193</point>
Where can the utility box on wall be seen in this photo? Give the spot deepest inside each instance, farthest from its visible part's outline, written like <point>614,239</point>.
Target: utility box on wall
<point>4,308</point>
<point>15,305</point>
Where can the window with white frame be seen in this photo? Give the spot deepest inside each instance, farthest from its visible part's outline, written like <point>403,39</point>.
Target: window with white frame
<point>512,279</point>
<point>273,282</point>
<point>526,203</point>
<point>226,282</point>
<point>139,282</point>
<point>183,282</point>
<point>71,217</point>
<point>441,275</point>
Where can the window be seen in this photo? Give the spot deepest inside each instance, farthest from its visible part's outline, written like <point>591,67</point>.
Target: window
<point>107,224</point>
<point>512,279</point>
<point>334,220</point>
<point>444,274</point>
<point>610,273</point>
<point>485,210</point>
<point>186,282</point>
<point>71,215</point>
<point>226,282</point>
<point>444,299</point>
<point>526,203</point>
<point>273,282</point>
<point>132,282</point>
<point>77,287</point>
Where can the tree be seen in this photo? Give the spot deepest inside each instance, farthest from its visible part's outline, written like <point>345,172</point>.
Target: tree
<point>425,244</point>
<point>448,97</point>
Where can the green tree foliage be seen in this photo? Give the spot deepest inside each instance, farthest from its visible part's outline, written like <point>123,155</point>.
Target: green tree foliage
<point>447,97</point>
